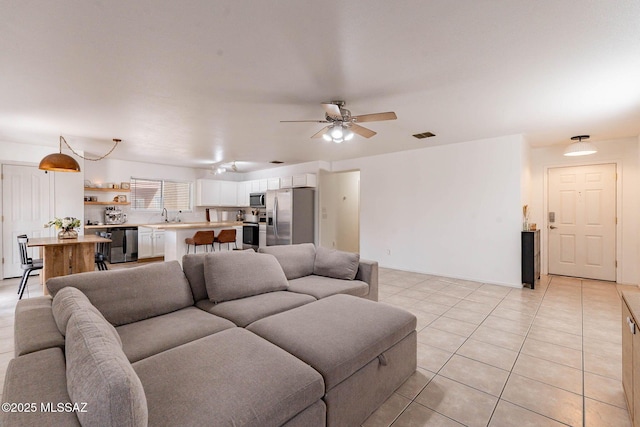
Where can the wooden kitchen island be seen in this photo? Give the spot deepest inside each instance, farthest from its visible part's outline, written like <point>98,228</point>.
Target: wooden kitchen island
<point>61,257</point>
<point>175,233</point>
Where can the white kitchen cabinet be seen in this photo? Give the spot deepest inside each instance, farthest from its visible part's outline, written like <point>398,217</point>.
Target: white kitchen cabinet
<point>228,193</point>
<point>304,180</point>
<point>255,186</point>
<point>207,192</point>
<point>286,182</point>
<point>263,185</point>
<point>212,192</point>
<point>243,191</point>
<point>150,242</point>
<point>273,184</point>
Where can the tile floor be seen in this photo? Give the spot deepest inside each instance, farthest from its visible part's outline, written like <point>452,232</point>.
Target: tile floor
<point>487,355</point>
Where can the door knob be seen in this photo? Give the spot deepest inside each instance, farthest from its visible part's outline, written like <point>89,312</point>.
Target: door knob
<point>553,227</point>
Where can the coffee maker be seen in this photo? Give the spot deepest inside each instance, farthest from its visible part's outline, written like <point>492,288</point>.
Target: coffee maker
<point>114,215</point>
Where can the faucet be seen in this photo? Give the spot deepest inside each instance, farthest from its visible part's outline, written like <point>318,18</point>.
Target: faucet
<point>165,214</point>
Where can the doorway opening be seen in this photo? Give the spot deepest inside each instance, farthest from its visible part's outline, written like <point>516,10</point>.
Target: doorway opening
<point>340,210</point>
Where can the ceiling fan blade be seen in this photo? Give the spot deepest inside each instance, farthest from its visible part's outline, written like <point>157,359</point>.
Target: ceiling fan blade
<point>321,132</point>
<point>376,117</point>
<point>333,111</point>
<point>362,131</point>
<point>303,121</point>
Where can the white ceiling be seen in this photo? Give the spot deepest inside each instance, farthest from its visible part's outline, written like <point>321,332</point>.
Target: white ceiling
<point>196,82</point>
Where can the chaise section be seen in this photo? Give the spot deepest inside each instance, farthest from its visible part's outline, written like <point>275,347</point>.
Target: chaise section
<point>34,327</point>
<point>232,378</point>
<point>364,350</point>
<point>245,311</point>
<point>38,377</point>
<point>151,336</point>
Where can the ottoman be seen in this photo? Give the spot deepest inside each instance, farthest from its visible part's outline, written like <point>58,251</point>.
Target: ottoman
<point>364,350</point>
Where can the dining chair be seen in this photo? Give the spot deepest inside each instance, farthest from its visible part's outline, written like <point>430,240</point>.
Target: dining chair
<point>27,264</point>
<point>227,236</point>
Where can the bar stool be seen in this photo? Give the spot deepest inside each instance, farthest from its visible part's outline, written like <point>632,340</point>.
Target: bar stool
<point>201,238</point>
<point>226,236</point>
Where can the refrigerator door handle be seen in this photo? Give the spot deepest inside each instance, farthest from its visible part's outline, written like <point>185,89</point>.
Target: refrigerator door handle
<point>275,217</point>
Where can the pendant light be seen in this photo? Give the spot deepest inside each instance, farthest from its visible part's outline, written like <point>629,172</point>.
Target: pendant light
<point>580,147</point>
<point>59,162</point>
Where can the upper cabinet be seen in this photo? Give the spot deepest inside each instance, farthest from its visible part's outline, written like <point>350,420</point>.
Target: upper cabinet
<point>211,192</point>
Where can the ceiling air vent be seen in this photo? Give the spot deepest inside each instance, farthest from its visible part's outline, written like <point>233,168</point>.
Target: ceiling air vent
<point>424,135</point>
<point>276,162</point>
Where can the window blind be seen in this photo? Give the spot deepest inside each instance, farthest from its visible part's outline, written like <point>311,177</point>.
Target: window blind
<point>155,194</point>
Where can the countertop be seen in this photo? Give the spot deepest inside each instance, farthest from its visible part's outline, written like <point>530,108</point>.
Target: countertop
<point>632,297</point>
<point>169,225</point>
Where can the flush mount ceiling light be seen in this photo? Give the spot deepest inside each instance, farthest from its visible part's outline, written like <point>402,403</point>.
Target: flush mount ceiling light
<point>580,147</point>
<point>59,162</point>
<point>218,169</point>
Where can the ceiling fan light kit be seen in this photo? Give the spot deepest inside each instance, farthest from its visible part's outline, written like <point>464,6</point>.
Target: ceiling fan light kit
<point>580,147</point>
<point>342,125</point>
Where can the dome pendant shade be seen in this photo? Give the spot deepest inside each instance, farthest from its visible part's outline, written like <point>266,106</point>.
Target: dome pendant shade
<point>58,162</point>
<point>580,147</point>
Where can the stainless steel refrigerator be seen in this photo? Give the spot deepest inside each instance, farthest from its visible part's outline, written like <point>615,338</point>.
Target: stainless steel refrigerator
<point>290,216</point>
<point>124,244</point>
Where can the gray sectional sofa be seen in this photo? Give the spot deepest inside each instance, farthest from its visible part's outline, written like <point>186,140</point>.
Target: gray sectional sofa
<point>285,337</point>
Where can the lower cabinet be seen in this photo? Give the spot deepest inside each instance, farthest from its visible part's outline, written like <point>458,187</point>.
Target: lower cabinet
<point>631,354</point>
<point>262,236</point>
<point>150,242</point>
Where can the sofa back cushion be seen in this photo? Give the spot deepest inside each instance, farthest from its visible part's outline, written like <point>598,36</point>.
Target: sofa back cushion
<point>336,264</point>
<point>99,373</point>
<point>193,267</point>
<point>234,274</point>
<point>296,260</point>
<point>131,294</point>
<point>67,301</point>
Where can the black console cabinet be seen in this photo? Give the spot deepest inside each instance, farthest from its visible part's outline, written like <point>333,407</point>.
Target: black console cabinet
<point>530,258</point>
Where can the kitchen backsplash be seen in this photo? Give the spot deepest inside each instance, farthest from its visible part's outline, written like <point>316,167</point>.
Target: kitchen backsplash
<point>95,214</point>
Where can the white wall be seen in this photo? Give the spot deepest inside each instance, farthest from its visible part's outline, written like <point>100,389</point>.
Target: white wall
<point>452,210</point>
<point>623,152</point>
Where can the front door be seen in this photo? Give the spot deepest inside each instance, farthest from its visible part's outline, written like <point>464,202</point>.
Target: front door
<point>26,196</point>
<point>582,221</point>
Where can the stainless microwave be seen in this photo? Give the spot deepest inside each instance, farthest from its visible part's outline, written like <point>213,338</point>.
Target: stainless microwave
<point>257,200</point>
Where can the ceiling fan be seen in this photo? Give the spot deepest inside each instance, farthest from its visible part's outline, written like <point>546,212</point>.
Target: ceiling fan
<point>342,125</point>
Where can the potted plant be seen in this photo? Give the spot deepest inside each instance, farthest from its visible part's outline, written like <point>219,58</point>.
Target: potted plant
<point>66,225</point>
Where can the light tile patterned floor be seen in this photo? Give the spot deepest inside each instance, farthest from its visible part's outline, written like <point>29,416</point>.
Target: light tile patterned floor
<point>487,355</point>
<point>497,356</point>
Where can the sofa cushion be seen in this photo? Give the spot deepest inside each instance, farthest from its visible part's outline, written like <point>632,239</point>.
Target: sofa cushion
<point>232,275</point>
<point>39,378</point>
<point>322,287</point>
<point>247,310</point>
<point>232,378</point>
<point>193,266</point>
<point>35,328</point>
<point>336,264</point>
<point>295,260</point>
<point>150,336</point>
<point>337,335</point>
<point>99,373</point>
<point>131,294</point>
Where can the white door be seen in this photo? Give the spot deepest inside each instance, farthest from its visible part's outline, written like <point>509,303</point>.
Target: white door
<point>582,221</point>
<point>26,207</point>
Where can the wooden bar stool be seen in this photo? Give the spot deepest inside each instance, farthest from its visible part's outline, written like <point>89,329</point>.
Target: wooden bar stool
<point>226,236</point>
<point>201,238</point>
